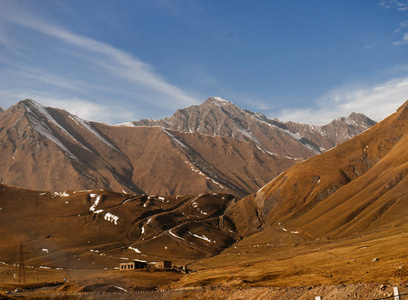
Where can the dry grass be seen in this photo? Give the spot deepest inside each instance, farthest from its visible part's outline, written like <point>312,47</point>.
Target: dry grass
<point>347,261</point>
<point>86,280</point>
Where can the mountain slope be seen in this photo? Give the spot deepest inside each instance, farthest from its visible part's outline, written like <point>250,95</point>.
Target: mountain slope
<point>358,186</point>
<point>337,218</point>
<point>98,228</point>
<point>50,149</point>
<point>218,117</point>
<point>214,147</point>
<point>42,147</point>
<point>187,162</point>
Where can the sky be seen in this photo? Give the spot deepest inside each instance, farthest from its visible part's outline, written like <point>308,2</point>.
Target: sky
<point>119,61</point>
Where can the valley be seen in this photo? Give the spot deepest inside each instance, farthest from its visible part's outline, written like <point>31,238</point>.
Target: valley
<point>333,223</point>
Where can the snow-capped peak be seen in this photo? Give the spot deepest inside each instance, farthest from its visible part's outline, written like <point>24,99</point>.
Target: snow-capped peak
<point>219,99</point>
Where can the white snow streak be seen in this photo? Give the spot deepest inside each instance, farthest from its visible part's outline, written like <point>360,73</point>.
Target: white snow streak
<point>176,236</point>
<point>134,249</point>
<point>60,194</point>
<point>89,127</point>
<point>98,199</point>
<point>120,288</point>
<point>203,237</point>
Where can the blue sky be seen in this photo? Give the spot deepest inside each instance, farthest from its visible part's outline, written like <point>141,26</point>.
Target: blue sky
<point>117,61</point>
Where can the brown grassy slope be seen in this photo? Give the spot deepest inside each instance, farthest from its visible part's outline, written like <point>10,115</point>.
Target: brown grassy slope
<point>58,229</point>
<point>337,218</point>
<point>379,258</point>
<point>356,186</point>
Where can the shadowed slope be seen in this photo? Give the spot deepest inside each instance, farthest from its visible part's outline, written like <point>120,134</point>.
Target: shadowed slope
<point>337,218</point>
<point>359,185</point>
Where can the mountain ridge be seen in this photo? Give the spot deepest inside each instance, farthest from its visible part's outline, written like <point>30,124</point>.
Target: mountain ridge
<point>41,146</point>
<point>358,176</point>
<point>223,118</point>
<point>318,222</point>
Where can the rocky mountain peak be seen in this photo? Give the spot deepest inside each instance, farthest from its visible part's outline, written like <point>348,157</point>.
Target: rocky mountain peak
<point>218,102</point>
<point>219,117</point>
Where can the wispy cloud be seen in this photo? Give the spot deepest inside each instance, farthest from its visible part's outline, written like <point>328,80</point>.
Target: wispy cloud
<point>377,102</point>
<point>403,41</point>
<point>401,5</point>
<point>91,111</point>
<point>131,74</point>
<point>116,60</point>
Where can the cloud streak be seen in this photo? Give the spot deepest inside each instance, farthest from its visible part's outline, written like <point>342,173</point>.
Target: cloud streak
<point>90,111</point>
<point>116,62</point>
<point>377,102</point>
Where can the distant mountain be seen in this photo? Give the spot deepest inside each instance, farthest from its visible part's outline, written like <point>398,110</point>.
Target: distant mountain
<point>228,150</point>
<point>51,149</point>
<point>1,109</point>
<point>358,187</point>
<point>218,117</point>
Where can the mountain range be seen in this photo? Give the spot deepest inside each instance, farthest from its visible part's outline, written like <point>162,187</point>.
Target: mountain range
<point>218,117</point>
<point>336,218</point>
<point>212,147</point>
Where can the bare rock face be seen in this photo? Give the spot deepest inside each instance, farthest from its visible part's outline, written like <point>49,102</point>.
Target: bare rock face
<point>213,147</point>
<point>218,117</point>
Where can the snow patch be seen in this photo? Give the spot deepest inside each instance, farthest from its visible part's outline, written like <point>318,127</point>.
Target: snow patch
<point>97,200</point>
<point>134,249</point>
<point>203,237</point>
<point>111,218</point>
<point>14,154</point>
<point>120,288</point>
<point>45,250</point>
<point>42,127</point>
<point>265,151</point>
<point>176,236</point>
<point>176,140</point>
<point>220,99</point>
<point>60,194</point>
